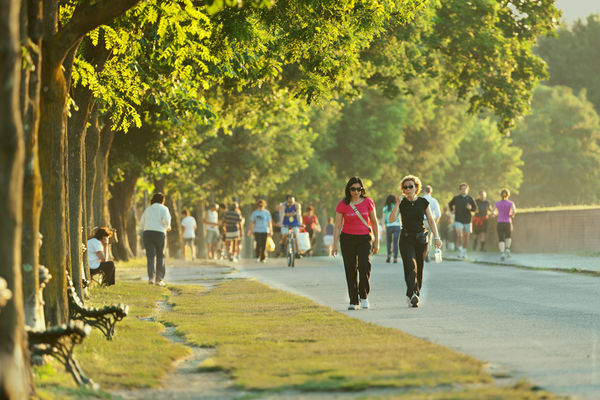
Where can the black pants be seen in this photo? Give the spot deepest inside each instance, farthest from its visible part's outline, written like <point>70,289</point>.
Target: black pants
<point>413,257</point>
<point>154,242</point>
<point>356,250</point>
<point>261,244</point>
<point>106,268</point>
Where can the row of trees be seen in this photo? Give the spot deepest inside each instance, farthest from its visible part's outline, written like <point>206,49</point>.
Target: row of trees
<point>207,97</point>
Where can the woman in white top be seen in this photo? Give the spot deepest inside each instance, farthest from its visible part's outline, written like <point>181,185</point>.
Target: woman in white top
<point>96,248</point>
<point>155,223</point>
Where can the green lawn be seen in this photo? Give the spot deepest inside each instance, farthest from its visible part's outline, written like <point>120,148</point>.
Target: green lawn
<point>268,340</point>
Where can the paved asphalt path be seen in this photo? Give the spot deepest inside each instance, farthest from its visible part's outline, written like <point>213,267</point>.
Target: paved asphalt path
<point>539,325</point>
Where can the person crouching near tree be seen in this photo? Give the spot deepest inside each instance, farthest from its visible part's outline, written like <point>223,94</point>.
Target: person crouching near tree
<point>413,236</point>
<point>98,257</point>
<point>356,219</point>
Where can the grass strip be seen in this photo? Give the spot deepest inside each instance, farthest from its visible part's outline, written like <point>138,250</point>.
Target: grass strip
<point>273,340</point>
<point>137,357</point>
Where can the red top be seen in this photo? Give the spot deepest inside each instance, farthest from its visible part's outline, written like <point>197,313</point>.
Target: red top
<point>309,221</point>
<point>352,224</point>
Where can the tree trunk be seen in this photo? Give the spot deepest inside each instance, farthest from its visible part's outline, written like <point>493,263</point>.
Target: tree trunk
<point>119,204</point>
<point>15,372</point>
<point>174,238</point>
<point>200,246</point>
<point>32,182</point>
<point>132,236</point>
<point>92,146</point>
<point>76,131</point>
<point>100,201</point>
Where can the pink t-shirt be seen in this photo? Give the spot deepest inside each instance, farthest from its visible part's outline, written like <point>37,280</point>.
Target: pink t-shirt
<point>352,224</point>
<point>504,207</point>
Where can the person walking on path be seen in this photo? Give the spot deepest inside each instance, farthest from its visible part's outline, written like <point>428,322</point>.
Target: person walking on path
<point>97,256</point>
<point>505,210</point>
<point>261,226</point>
<point>328,237</point>
<point>480,220</point>
<point>435,211</point>
<point>392,228</point>
<point>188,225</point>
<point>155,223</point>
<point>233,229</point>
<point>211,220</point>
<point>355,222</point>
<point>462,205</point>
<point>312,226</point>
<point>413,237</point>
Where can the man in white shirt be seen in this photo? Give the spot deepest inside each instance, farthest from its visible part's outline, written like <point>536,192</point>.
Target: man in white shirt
<point>436,212</point>
<point>155,223</point>
<point>212,231</point>
<point>96,248</point>
<point>188,226</point>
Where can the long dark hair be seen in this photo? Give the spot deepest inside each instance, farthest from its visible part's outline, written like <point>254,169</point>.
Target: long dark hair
<point>389,201</point>
<point>352,181</point>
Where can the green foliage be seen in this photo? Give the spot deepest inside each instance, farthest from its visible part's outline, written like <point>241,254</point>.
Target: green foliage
<point>573,57</point>
<point>486,160</point>
<point>560,142</point>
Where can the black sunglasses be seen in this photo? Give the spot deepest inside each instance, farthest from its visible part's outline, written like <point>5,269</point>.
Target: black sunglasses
<point>356,189</point>
<point>408,187</point>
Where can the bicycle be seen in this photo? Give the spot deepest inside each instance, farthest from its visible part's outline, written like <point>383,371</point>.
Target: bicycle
<point>291,250</point>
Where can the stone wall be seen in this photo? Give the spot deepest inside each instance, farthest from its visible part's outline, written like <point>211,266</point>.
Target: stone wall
<point>552,231</point>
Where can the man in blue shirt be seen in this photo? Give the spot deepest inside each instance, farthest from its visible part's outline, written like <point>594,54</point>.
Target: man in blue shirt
<point>261,226</point>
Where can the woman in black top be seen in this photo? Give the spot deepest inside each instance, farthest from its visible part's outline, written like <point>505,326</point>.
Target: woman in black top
<point>413,237</point>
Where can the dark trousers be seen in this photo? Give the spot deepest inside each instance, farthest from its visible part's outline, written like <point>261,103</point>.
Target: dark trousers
<point>261,244</point>
<point>154,242</point>
<point>413,257</point>
<point>356,250</point>
<point>106,268</point>
<point>392,234</point>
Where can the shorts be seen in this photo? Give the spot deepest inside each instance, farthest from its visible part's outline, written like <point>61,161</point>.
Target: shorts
<point>295,229</point>
<point>504,230</point>
<point>328,240</point>
<point>232,235</point>
<point>480,225</point>
<point>465,227</point>
<point>189,241</point>
<point>212,236</point>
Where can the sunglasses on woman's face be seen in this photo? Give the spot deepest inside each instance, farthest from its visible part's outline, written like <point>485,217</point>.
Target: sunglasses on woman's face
<point>356,189</point>
<point>408,187</point>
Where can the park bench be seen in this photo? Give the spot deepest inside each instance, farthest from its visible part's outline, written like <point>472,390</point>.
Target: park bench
<point>59,342</point>
<point>104,318</point>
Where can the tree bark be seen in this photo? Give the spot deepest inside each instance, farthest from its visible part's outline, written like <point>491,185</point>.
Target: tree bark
<point>56,45</point>
<point>76,131</point>
<point>15,372</point>
<point>120,204</point>
<point>31,38</point>
<point>100,196</point>
<point>92,145</point>
<point>174,237</point>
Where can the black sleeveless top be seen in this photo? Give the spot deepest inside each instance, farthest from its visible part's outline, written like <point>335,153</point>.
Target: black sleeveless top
<point>413,214</point>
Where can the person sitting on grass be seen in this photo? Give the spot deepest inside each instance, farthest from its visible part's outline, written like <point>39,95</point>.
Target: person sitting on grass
<point>97,256</point>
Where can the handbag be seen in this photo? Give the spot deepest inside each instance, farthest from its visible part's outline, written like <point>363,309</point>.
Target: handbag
<point>359,215</point>
<point>270,245</point>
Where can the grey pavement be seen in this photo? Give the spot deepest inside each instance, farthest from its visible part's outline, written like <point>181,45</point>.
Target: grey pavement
<point>543,326</point>
<point>536,260</point>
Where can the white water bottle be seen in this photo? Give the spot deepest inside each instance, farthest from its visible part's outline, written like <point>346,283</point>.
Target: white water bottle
<point>438,255</point>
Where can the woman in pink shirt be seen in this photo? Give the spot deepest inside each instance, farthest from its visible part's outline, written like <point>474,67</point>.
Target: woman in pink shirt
<point>355,239</point>
<point>505,210</point>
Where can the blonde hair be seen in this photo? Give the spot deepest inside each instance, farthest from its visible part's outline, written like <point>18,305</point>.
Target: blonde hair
<point>415,180</point>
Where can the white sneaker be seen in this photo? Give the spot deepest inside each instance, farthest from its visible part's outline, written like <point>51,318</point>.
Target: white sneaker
<point>502,256</point>
<point>364,303</point>
<point>414,300</point>
<point>353,307</point>
<point>161,283</point>
<point>507,252</point>
<point>464,253</point>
